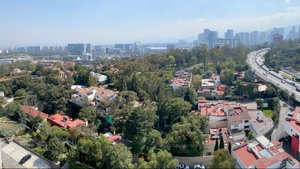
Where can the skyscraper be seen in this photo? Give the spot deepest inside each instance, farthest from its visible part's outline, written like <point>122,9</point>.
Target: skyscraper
<point>128,46</point>
<point>201,38</point>
<point>253,38</point>
<point>79,49</point>
<point>263,37</point>
<point>119,46</point>
<point>170,46</point>
<point>292,34</point>
<point>206,34</point>
<point>212,38</point>
<point>237,36</point>
<point>244,38</point>
<point>34,48</point>
<point>229,34</point>
<point>277,38</point>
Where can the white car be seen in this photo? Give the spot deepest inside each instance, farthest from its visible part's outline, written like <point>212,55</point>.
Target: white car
<point>182,166</point>
<point>282,81</point>
<point>199,166</point>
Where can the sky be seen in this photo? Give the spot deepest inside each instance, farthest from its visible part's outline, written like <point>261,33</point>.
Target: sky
<point>100,22</point>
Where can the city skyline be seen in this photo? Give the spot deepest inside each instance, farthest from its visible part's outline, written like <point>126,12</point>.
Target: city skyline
<point>51,23</point>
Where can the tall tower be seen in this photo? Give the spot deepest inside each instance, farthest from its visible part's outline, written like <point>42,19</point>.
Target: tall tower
<point>299,32</point>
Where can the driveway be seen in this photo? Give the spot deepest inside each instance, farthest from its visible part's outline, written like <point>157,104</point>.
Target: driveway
<point>283,113</point>
<point>286,146</point>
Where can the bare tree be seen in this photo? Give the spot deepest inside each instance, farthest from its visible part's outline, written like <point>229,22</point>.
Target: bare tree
<point>33,101</point>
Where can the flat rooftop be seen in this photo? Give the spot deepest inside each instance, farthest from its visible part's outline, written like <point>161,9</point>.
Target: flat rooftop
<point>259,124</point>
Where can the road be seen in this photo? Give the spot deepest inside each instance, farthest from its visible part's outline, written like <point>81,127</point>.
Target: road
<point>282,116</point>
<point>254,59</point>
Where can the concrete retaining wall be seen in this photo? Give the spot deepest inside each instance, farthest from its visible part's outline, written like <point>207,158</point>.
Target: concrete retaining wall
<point>191,161</point>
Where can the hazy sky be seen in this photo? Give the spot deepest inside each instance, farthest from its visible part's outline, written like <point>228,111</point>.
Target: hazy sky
<point>58,22</point>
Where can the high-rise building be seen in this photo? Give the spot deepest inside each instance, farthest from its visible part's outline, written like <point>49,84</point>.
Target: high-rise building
<point>299,32</point>
<point>128,46</point>
<point>195,42</point>
<point>61,48</point>
<point>46,48</point>
<point>212,38</point>
<point>119,46</point>
<point>137,47</point>
<point>79,49</point>
<point>201,38</point>
<point>99,50</point>
<point>236,36</point>
<point>235,42</point>
<point>206,34</point>
<point>253,38</point>
<point>279,31</point>
<point>263,37</point>
<point>34,48</point>
<point>170,46</point>
<point>244,38</point>
<point>56,48</point>
<point>181,42</point>
<point>52,48</point>
<point>229,34</point>
<point>21,49</point>
<point>277,38</point>
<point>292,34</point>
<point>228,42</point>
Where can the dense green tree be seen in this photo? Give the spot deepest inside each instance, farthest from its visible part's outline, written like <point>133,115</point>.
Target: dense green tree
<point>95,150</point>
<point>127,98</point>
<point>44,133</point>
<point>54,149</point>
<point>229,147</point>
<point>163,160</point>
<point>172,111</point>
<point>35,122</point>
<point>216,145</point>
<point>20,92</point>
<point>190,96</point>
<point>222,159</point>
<point>196,81</point>
<point>60,133</point>
<point>186,137</point>
<point>72,157</point>
<point>250,136</point>
<point>53,79</point>
<point>152,141</point>
<point>15,112</point>
<point>120,157</point>
<point>259,103</point>
<point>221,143</point>
<point>270,91</point>
<point>91,115</point>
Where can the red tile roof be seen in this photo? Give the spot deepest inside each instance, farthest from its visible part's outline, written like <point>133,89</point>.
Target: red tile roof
<point>116,139</point>
<point>30,111</point>
<point>245,156</point>
<point>267,162</point>
<point>212,112</point>
<point>292,123</point>
<point>57,120</point>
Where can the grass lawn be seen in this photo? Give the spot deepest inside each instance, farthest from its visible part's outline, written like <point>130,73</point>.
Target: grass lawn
<point>268,112</point>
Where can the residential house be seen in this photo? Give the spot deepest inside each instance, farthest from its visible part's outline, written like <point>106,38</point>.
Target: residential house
<point>260,153</point>
<point>15,72</point>
<point>181,81</point>
<point>70,64</point>
<point>94,96</point>
<point>34,112</point>
<point>65,121</point>
<point>210,89</point>
<point>292,129</point>
<point>116,138</point>
<point>99,77</point>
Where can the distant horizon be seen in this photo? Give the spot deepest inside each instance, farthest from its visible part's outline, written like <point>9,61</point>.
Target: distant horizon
<point>57,23</point>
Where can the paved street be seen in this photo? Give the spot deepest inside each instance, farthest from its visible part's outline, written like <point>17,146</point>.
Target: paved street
<point>283,113</point>
<point>255,61</point>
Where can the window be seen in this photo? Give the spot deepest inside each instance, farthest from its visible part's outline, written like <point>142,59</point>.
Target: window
<point>246,121</point>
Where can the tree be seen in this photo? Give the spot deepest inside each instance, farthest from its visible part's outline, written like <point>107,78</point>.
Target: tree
<point>120,157</point>
<point>219,69</point>
<point>186,137</point>
<point>34,122</point>
<point>15,111</point>
<point>127,98</point>
<point>196,81</point>
<point>91,81</point>
<point>95,150</point>
<point>229,147</point>
<point>259,103</point>
<point>207,74</point>
<point>91,115</point>
<point>54,149</point>
<point>172,111</point>
<point>171,60</point>
<point>216,145</point>
<point>221,143</point>
<point>20,92</point>
<point>270,91</point>
<point>222,159</point>
<point>72,157</point>
<point>60,133</point>
<point>152,141</point>
<point>163,160</point>
<point>250,136</point>
<point>190,96</point>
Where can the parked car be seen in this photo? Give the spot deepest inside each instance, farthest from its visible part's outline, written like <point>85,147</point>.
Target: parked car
<point>282,81</point>
<point>288,138</point>
<point>284,77</point>
<point>182,166</point>
<point>298,89</point>
<point>25,158</point>
<point>199,166</point>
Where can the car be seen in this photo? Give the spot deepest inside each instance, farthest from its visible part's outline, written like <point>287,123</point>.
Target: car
<point>298,89</point>
<point>284,77</point>
<point>282,81</point>
<point>182,166</point>
<point>293,83</point>
<point>25,158</point>
<point>199,166</point>
<point>288,138</point>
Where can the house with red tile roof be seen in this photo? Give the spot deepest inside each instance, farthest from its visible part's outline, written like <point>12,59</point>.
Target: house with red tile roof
<point>34,112</point>
<point>70,64</point>
<point>116,138</point>
<point>260,153</point>
<point>65,121</point>
<point>292,129</point>
<point>181,81</point>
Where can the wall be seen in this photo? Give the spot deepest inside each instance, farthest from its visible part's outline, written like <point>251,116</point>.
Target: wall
<point>191,161</point>
<point>290,130</point>
<point>215,118</point>
<point>218,124</point>
<point>238,137</point>
<point>281,135</point>
<point>239,127</point>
